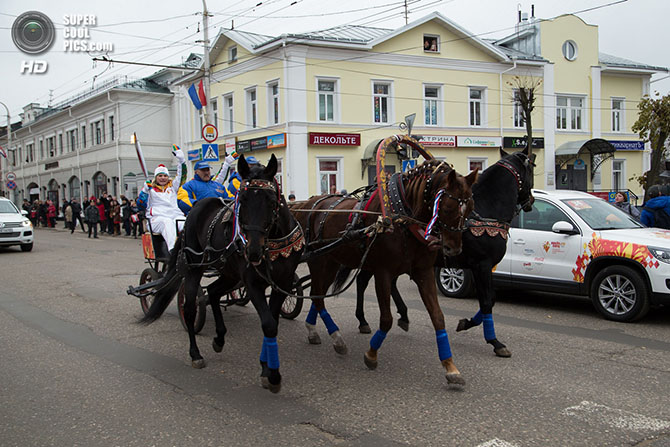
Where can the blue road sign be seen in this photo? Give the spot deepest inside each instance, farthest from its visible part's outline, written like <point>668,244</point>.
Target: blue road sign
<point>408,164</point>
<point>194,154</point>
<point>210,152</point>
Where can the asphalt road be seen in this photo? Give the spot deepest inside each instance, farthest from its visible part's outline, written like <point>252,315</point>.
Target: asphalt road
<point>77,370</point>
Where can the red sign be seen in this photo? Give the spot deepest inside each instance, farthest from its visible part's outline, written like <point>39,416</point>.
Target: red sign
<point>602,195</point>
<point>210,133</point>
<point>334,139</point>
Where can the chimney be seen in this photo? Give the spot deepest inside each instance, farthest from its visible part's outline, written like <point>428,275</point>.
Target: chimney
<point>532,11</point>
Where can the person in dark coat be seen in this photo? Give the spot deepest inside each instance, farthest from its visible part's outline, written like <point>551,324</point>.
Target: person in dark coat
<point>125,215</point>
<point>92,215</point>
<point>76,216</point>
<point>63,208</point>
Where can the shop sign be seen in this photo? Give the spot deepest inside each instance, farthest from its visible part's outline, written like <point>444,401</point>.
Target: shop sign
<point>520,143</point>
<point>622,145</point>
<point>275,141</point>
<point>230,145</point>
<point>258,144</point>
<point>243,146</point>
<point>439,140</point>
<point>479,141</point>
<point>53,164</point>
<point>334,139</point>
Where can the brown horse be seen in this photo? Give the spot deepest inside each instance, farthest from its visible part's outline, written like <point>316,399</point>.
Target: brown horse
<point>433,192</point>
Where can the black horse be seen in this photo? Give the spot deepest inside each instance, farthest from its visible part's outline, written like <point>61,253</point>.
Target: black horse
<point>498,194</point>
<point>254,241</point>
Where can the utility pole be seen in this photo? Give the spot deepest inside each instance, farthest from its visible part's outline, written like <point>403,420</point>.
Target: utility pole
<point>205,44</point>
<point>406,14</point>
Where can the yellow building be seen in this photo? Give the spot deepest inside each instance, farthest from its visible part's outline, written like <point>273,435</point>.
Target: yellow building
<point>321,101</point>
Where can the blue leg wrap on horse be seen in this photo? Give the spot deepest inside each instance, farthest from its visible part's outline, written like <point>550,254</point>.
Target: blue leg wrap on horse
<point>272,352</point>
<point>328,321</point>
<point>311,316</point>
<point>264,352</point>
<point>489,331</point>
<point>477,319</point>
<point>443,348</point>
<point>377,339</point>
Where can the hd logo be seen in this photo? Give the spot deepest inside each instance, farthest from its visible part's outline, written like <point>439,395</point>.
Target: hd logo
<point>33,33</point>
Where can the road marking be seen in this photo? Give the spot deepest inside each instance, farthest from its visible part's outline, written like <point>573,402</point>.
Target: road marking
<point>591,411</point>
<point>497,443</point>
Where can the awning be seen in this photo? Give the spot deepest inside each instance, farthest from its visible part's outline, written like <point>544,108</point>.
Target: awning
<point>594,146</point>
<point>369,155</point>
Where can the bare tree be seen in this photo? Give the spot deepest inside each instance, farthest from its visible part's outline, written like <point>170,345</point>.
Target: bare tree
<point>525,93</point>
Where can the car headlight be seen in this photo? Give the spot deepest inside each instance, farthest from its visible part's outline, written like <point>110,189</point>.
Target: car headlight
<point>662,254</point>
<point>27,223</point>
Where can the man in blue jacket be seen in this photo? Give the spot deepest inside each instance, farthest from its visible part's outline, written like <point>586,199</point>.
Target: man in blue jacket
<point>656,202</point>
<point>202,185</point>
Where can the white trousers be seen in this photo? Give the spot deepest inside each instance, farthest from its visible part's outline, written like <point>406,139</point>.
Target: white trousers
<point>166,227</point>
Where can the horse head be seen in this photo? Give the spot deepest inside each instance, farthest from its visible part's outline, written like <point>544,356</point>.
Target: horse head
<point>453,198</point>
<point>522,166</point>
<point>257,206</point>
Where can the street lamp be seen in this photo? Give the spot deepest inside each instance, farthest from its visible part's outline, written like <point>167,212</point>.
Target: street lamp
<point>9,135</point>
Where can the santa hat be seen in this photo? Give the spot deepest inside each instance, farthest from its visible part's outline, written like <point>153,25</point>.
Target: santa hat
<point>161,169</point>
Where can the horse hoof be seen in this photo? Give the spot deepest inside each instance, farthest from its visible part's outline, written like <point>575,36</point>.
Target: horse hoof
<point>216,346</point>
<point>404,325</point>
<point>503,352</point>
<point>364,329</point>
<point>370,362</point>
<point>462,325</point>
<point>341,348</point>
<point>198,364</point>
<point>265,383</point>
<point>274,389</point>
<point>455,379</point>
<point>314,339</point>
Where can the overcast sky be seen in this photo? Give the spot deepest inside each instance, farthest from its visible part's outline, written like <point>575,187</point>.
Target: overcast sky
<point>165,31</point>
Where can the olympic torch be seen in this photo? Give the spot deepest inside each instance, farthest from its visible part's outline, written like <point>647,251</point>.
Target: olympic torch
<point>140,155</point>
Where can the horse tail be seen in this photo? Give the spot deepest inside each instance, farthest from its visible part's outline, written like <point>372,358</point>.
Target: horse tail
<point>167,290</point>
<point>341,277</point>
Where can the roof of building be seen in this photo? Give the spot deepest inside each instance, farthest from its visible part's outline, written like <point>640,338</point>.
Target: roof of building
<point>616,61</point>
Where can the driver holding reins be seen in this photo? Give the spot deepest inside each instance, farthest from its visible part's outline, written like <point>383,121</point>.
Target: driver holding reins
<point>159,198</point>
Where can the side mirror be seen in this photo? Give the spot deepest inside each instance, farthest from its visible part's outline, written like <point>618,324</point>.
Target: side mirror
<point>563,227</point>
<point>24,212</point>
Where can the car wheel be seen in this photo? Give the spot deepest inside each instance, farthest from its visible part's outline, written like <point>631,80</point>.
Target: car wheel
<point>26,247</point>
<point>454,283</point>
<point>620,294</point>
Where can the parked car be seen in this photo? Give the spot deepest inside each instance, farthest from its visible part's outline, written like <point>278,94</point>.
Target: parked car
<point>15,227</point>
<point>578,244</point>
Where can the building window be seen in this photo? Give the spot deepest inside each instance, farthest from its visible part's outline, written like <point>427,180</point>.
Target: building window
<point>381,93</point>
<point>228,103</point>
<point>111,128</point>
<point>326,100</point>
<point>252,110</point>
<point>30,155</point>
<point>431,43</point>
<point>618,175</point>
<point>215,111</point>
<point>476,98</point>
<point>41,149</point>
<point>518,111</point>
<point>60,143</point>
<point>232,54</point>
<point>569,112</point>
<point>477,163</point>
<point>329,173</point>
<point>617,114</point>
<point>273,102</point>
<point>99,131</point>
<point>51,146</point>
<point>83,137</point>
<point>570,50</point>
<point>71,140</point>
<point>431,96</point>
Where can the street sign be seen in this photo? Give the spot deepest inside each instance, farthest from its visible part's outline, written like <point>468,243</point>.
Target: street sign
<point>408,164</point>
<point>11,176</point>
<point>210,152</point>
<point>194,154</point>
<point>210,133</point>
<point>11,185</point>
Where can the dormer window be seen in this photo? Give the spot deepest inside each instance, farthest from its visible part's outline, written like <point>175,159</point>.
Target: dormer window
<point>232,54</point>
<point>431,43</point>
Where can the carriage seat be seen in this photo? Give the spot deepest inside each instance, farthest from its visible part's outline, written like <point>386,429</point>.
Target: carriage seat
<point>160,246</point>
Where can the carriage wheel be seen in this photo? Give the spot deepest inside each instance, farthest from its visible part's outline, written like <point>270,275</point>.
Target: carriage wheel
<point>240,296</point>
<point>293,306</point>
<point>200,308</point>
<point>147,275</point>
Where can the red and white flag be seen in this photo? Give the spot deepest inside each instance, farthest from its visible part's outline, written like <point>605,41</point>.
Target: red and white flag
<point>201,94</point>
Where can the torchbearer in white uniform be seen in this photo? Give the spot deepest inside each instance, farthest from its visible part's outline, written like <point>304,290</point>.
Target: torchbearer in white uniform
<point>159,198</point>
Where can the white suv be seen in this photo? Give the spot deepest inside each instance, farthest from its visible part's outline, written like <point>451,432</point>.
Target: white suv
<point>575,243</point>
<point>15,227</point>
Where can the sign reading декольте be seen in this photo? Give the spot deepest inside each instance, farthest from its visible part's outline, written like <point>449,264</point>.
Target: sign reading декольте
<point>334,139</point>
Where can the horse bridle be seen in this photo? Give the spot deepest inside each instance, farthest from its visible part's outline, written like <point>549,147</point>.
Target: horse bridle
<point>260,184</point>
<point>526,161</point>
<point>460,201</point>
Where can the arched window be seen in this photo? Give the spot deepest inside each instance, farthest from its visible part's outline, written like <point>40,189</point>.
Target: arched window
<point>53,191</point>
<point>74,186</point>
<point>33,191</point>
<point>99,184</point>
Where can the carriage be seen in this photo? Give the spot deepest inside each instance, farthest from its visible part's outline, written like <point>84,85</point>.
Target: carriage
<point>156,256</point>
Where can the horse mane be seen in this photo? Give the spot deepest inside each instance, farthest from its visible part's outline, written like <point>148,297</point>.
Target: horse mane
<point>416,180</point>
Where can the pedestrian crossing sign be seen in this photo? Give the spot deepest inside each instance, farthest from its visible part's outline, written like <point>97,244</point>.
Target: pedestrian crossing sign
<point>408,164</point>
<point>210,152</point>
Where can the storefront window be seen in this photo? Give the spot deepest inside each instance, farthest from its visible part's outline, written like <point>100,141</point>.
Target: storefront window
<point>328,173</point>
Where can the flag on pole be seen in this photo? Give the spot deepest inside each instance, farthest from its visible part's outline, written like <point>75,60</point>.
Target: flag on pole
<point>140,156</point>
<point>201,94</point>
<point>2,152</point>
<point>194,97</point>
